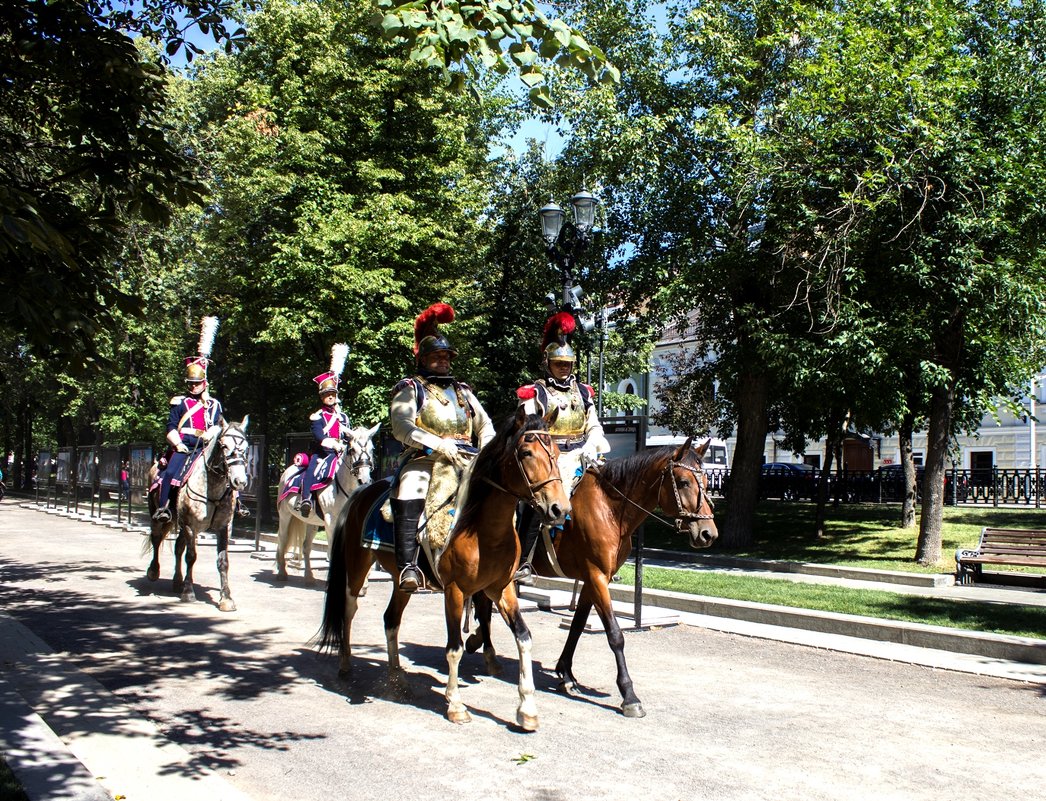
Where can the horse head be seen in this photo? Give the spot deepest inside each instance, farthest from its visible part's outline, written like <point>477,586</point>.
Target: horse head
<point>359,456</point>
<point>534,471</point>
<point>688,500</point>
<point>233,444</point>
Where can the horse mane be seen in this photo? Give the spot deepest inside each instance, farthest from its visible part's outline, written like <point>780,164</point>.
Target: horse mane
<point>489,464</point>
<point>626,473</point>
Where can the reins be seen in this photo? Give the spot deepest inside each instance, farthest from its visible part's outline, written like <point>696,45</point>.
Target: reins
<point>222,470</point>
<point>545,440</point>
<point>681,514</point>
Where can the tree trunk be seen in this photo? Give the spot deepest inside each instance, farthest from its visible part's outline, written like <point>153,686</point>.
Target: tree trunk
<point>942,404</point>
<point>752,422</point>
<point>904,437</point>
<point>832,439</point>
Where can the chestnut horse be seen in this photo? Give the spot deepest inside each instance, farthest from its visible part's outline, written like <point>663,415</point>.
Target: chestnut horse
<point>519,463</point>
<point>608,505</point>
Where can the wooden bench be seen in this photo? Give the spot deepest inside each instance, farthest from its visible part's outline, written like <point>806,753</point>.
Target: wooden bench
<point>1001,546</point>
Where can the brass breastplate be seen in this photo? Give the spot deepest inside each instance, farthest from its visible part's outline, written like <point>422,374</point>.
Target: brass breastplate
<point>444,413</point>
<point>570,423</point>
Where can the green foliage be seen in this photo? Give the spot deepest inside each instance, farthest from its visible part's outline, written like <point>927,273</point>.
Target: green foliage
<point>499,35</point>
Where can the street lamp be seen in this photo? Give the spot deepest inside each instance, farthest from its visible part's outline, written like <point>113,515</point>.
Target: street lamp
<point>564,243</point>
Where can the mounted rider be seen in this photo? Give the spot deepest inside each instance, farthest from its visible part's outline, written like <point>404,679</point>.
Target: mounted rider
<point>330,429</point>
<point>434,416</point>
<point>569,407</point>
<point>194,419</point>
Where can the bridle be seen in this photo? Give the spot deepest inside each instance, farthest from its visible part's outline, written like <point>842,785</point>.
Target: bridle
<point>237,457</point>
<point>681,517</point>
<point>544,439</point>
<point>355,467</point>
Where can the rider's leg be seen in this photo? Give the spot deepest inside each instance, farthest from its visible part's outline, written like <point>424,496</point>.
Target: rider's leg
<point>529,528</point>
<point>174,467</point>
<point>305,504</point>
<point>407,514</point>
<point>408,505</point>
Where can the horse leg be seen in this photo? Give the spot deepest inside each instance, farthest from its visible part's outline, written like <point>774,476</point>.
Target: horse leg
<point>483,607</point>
<point>226,604</point>
<point>179,550</point>
<point>508,605</point>
<point>157,534</point>
<point>565,665</point>
<point>398,686</point>
<point>287,523</point>
<point>630,705</point>
<point>188,590</point>
<point>454,605</point>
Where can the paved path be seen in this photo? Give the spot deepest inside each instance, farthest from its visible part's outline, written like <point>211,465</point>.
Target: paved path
<point>238,705</point>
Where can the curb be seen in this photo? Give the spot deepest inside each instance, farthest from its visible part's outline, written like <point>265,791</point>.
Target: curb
<point>975,643</point>
<point>807,568</point>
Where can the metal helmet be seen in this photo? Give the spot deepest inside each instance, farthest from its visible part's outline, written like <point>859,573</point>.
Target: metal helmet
<point>195,369</point>
<point>196,366</point>
<point>555,341</point>
<point>427,336</point>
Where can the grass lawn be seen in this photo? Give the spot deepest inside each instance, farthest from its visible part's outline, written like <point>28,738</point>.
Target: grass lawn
<point>858,535</point>
<point>1022,621</point>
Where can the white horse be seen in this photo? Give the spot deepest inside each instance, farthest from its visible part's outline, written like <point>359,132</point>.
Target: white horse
<point>206,501</point>
<point>296,531</point>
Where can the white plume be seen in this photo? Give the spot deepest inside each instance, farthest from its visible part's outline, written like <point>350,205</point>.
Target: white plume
<point>208,328</point>
<point>339,352</point>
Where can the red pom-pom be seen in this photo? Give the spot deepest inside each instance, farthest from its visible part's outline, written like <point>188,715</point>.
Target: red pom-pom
<point>526,392</point>
<point>559,325</point>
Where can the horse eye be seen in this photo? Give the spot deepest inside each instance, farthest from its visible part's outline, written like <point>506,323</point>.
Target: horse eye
<point>683,483</point>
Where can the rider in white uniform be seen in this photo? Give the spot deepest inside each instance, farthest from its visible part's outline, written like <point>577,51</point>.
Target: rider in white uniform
<point>570,408</point>
<point>434,416</point>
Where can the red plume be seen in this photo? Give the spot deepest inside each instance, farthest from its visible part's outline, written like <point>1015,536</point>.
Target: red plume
<point>559,326</point>
<point>426,323</point>
<point>526,392</point>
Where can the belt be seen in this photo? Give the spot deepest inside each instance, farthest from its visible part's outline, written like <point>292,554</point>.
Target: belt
<point>196,432</point>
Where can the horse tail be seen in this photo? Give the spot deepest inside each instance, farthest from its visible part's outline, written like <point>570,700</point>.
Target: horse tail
<point>332,634</point>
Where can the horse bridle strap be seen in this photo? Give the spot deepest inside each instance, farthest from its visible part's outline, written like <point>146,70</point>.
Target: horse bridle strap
<point>681,515</point>
<point>545,441</point>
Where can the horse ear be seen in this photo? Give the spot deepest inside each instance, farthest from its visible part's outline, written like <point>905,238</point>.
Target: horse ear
<point>551,418</point>
<point>521,417</point>
<point>372,431</point>
<point>702,449</point>
<point>681,451</point>
<point>246,420</point>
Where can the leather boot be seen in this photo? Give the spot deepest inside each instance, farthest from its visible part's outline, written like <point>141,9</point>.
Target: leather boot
<point>529,528</point>
<point>406,516</point>
<point>163,512</point>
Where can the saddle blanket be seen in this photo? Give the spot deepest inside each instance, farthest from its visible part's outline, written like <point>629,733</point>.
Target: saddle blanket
<point>378,534</point>
<point>325,472</point>
<point>190,461</point>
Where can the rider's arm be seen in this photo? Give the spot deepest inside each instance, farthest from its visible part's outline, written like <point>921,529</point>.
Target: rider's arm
<point>595,440</point>
<point>174,436</point>
<point>483,428</point>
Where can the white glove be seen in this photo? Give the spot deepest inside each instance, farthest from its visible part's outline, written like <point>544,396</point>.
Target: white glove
<point>590,457</point>
<point>210,433</point>
<point>332,444</point>
<point>448,450</point>
<point>181,447</point>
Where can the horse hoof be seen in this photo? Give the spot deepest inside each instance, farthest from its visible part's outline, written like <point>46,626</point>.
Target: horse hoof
<point>152,573</point>
<point>459,716</point>
<point>494,667</point>
<point>569,688</point>
<point>473,643</point>
<point>187,597</point>
<point>310,581</point>
<point>633,710</point>
<point>527,722</point>
<point>281,576</point>
<point>227,605</point>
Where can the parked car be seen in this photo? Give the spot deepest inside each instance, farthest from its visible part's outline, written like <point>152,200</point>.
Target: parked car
<point>788,480</point>
<point>891,483</point>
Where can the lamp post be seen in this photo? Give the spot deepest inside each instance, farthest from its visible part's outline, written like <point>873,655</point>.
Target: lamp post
<point>564,243</point>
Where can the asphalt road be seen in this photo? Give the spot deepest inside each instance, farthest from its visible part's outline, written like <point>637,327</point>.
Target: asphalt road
<point>728,717</point>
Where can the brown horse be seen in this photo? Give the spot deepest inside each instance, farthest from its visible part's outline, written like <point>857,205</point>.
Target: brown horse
<point>480,556</point>
<point>608,505</point>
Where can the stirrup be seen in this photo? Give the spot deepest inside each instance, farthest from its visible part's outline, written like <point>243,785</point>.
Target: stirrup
<point>162,515</point>
<point>242,511</point>
<point>524,574</point>
<point>410,579</point>
<point>305,508</point>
